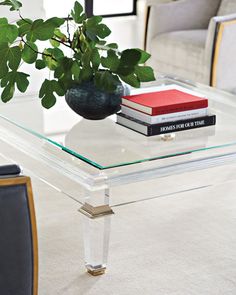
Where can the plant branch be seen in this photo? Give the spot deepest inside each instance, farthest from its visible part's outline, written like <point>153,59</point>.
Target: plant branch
<point>23,18</point>
<point>63,43</point>
<point>68,30</point>
<point>42,53</point>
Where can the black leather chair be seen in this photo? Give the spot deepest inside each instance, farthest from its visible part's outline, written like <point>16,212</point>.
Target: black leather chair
<point>18,236</point>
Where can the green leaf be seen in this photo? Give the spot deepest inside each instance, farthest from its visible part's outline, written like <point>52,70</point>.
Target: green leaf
<point>54,55</point>
<point>3,21</point>
<point>93,21</point>
<point>3,68</point>
<point>75,70</point>
<point>58,89</point>
<point>40,64</point>
<point>86,74</point>
<point>86,58</point>
<point>32,34</point>
<point>47,92</point>
<point>125,70</point>
<point>101,42</point>
<point>91,36</point>
<point>54,22</point>
<point>8,93</point>
<point>131,79</point>
<point>63,72</point>
<point>106,81</point>
<point>8,33</point>
<point>24,26</point>
<point>144,56</point>
<point>48,100</point>
<point>103,31</point>
<point>10,55</point>
<point>43,88</point>
<point>50,62</point>
<point>63,67</point>
<point>29,53</point>
<point>4,48</point>
<point>54,43</point>
<point>56,52</point>
<point>21,22</point>
<point>9,81</point>
<point>58,34</point>
<point>59,71</point>
<point>144,73</point>
<point>77,14</point>
<point>77,56</point>
<point>14,4</point>
<point>100,30</point>
<point>22,82</point>
<point>86,69</point>
<point>46,30</point>
<point>14,57</point>
<point>129,59</point>
<point>5,79</point>
<point>111,61</point>
<point>95,58</point>
<point>112,45</point>
<point>43,31</point>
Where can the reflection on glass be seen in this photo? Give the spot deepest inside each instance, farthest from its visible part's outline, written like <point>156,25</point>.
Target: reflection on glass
<point>103,7</point>
<point>105,144</point>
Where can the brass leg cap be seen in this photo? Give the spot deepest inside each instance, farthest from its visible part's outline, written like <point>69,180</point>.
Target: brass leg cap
<point>96,272</point>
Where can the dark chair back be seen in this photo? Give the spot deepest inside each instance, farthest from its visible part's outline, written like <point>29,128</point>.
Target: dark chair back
<point>18,236</point>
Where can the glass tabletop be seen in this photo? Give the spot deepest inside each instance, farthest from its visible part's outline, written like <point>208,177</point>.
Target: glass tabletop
<point>105,144</point>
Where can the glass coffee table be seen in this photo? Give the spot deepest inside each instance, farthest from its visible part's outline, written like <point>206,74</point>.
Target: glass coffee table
<point>99,155</point>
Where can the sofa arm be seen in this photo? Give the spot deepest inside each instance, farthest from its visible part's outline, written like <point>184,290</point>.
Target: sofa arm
<point>220,52</point>
<point>178,15</point>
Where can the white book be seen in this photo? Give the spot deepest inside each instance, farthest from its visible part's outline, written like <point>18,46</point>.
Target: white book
<point>171,117</point>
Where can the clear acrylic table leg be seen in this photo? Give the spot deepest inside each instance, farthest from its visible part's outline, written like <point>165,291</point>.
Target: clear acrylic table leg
<point>96,216</point>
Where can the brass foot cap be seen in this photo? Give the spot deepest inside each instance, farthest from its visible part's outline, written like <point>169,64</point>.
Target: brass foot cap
<point>168,137</point>
<point>96,272</point>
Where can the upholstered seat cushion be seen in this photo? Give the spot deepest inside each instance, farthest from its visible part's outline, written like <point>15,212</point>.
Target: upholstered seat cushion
<point>181,52</point>
<point>227,7</point>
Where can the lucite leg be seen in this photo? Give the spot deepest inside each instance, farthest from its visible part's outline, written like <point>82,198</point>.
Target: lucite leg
<point>96,216</point>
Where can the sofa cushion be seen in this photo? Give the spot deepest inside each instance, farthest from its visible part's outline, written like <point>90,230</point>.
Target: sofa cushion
<point>183,50</point>
<point>227,7</point>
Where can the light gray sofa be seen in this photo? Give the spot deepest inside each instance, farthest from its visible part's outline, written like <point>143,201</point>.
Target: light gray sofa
<point>193,39</point>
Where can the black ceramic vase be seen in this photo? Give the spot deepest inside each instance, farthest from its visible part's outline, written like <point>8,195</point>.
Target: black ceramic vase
<point>91,103</point>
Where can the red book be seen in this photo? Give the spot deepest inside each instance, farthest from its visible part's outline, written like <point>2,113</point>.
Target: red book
<point>164,102</point>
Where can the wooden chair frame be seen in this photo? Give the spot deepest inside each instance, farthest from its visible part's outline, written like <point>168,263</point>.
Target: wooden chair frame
<point>11,181</point>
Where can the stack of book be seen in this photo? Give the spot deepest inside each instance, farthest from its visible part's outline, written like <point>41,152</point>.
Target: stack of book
<point>164,111</point>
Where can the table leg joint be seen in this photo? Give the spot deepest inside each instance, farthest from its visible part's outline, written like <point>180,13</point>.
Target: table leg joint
<point>95,212</point>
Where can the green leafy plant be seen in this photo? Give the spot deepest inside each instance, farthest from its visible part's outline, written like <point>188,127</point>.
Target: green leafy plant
<point>77,53</point>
